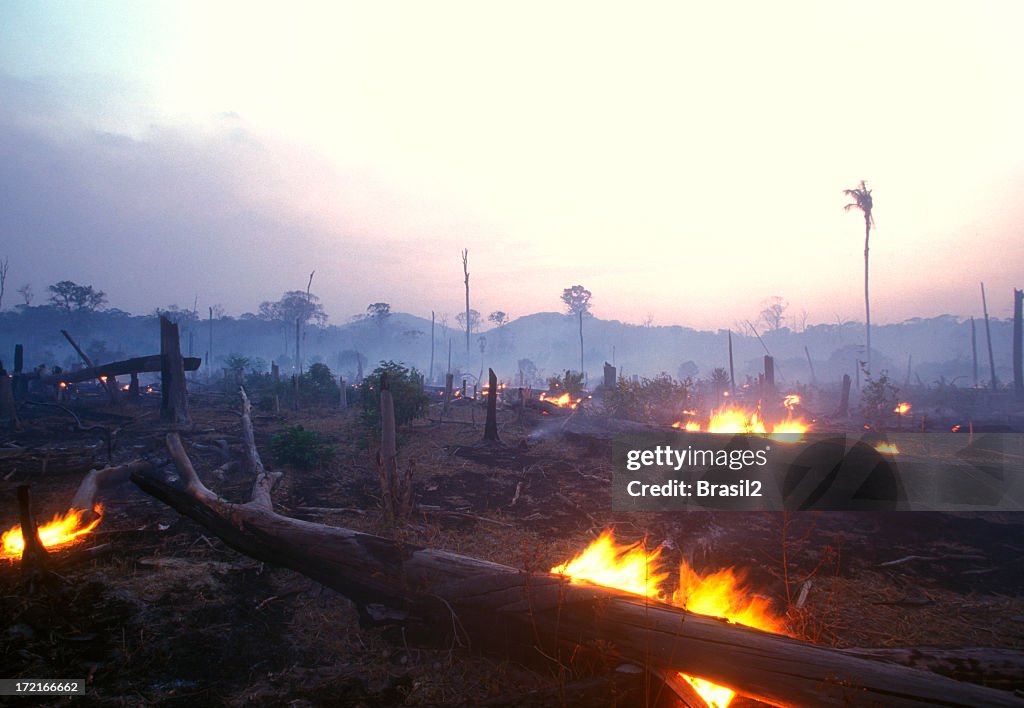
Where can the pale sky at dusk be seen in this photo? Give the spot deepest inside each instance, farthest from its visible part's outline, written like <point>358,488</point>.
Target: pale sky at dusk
<point>680,160</point>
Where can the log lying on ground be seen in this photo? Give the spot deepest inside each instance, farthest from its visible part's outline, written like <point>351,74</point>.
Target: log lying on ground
<point>475,601</point>
<point>993,667</point>
<point>137,365</point>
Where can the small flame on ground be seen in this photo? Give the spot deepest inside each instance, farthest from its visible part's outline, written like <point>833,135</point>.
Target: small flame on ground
<point>887,448</point>
<point>718,594</point>
<point>902,409</point>
<point>58,532</point>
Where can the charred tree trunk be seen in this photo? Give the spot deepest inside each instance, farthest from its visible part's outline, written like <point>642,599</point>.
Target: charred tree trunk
<point>732,373</point>
<point>173,391</point>
<point>491,426</point>
<point>395,485</point>
<point>34,558</point>
<point>465,270</point>
<point>609,376</point>
<point>974,352</point>
<point>20,382</point>
<point>432,341</point>
<point>993,383</point>
<point>844,400</point>
<point>448,381</point>
<point>8,408</point>
<point>1018,342</point>
<point>138,365</point>
<point>483,602</point>
<point>343,398</point>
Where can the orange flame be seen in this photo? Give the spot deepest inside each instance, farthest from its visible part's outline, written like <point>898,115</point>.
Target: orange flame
<point>887,448</point>
<point>635,569</point>
<point>791,401</point>
<point>902,409</point>
<point>733,419</point>
<point>60,531</point>
<point>563,401</point>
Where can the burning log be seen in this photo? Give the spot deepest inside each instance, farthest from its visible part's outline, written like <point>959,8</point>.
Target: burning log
<point>473,600</point>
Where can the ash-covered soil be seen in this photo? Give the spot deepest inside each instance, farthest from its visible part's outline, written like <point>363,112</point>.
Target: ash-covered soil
<point>169,615</point>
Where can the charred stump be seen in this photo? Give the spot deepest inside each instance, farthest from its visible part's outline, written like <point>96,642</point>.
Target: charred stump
<point>34,558</point>
<point>395,485</point>
<point>173,392</point>
<point>844,400</point>
<point>491,425</point>
<point>8,407</point>
<point>609,376</point>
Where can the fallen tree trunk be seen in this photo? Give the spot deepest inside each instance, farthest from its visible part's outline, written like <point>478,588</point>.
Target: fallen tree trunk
<point>138,365</point>
<point>475,600</point>
<point>996,668</point>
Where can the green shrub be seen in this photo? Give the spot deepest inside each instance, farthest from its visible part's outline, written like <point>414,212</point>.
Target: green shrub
<point>319,385</point>
<point>406,389</point>
<point>571,382</point>
<point>658,400</point>
<point>300,447</point>
<point>879,397</point>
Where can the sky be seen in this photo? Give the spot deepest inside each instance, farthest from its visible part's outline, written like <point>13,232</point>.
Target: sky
<point>683,161</point>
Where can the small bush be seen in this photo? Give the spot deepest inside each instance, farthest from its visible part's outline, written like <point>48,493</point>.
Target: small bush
<point>571,382</point>
<point>657,400</point>
<point>300,447</point>
<point>879,397</point>
<point>406,389</point>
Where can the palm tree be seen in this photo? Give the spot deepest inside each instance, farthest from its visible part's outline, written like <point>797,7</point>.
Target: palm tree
<point>862,200</point>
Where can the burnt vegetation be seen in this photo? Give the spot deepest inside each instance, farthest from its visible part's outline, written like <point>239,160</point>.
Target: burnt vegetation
<point>210,606</point>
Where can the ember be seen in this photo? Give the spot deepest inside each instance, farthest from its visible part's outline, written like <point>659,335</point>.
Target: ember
<point>902,408</point>
<point>59,532</point>
<point>719,594</point>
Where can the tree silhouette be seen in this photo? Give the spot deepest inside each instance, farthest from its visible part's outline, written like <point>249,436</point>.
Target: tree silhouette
<point>379,312</point>
<point>862,200</point>
<point>577,302</point>
<point>72,297</point>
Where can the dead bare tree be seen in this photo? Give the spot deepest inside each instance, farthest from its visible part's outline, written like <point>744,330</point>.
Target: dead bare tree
<point>465,270</point>
<point>4,264</point>
<point>994,382</point>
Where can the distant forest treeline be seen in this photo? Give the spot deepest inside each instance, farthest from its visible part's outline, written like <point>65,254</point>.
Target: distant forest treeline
<point>920,351</point>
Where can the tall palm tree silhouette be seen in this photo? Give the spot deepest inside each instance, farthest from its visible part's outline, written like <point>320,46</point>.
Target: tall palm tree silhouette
<point>862,200</point>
